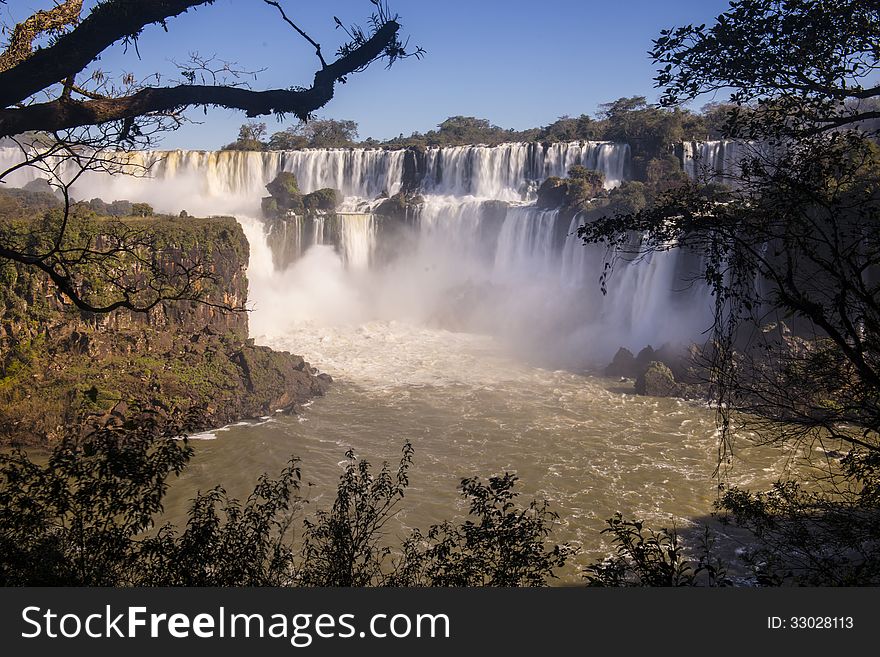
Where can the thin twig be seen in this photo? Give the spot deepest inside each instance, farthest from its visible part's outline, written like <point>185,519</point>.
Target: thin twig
<point>295,27</point>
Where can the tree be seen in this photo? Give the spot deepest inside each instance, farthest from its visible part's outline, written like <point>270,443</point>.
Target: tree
<point>343,546</point>
<point>330,133</point>
<point>250,138</point>
<point>792,256</point>
<point>68,118</point>
<point>567,128</point>
<point>647,129</point>
<point>76,520</point>
<point>799,65</point>
<point>654,558</point>
<point>287,140</point>
<point>142,209</point>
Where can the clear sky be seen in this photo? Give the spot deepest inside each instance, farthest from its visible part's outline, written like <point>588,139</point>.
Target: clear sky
<point>518,63</point>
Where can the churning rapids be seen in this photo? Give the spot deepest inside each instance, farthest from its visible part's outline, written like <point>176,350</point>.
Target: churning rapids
<point>472,339</point>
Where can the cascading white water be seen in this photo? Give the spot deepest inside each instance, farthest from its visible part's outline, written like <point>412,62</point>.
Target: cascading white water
<point>354,172</point>
<point>527,245</point>
<point>478,252</point>
<point>358,238</point>
<point>504,172</point>
<point>713,161</point>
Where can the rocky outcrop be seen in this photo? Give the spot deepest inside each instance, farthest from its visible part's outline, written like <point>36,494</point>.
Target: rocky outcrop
<point>415,167</point>
<point>670,371</point>
<point>403,206</point>
<point>286,199</point>
<point>623,365</point>
<point>573,193</point>
<point>60,367</point>
<point>658,381</point>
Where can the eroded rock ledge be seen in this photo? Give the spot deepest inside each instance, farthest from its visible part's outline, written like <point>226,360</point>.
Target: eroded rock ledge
<point>61,367</point>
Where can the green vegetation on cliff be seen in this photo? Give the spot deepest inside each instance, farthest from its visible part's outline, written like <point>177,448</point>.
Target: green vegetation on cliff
<point>285,198</point>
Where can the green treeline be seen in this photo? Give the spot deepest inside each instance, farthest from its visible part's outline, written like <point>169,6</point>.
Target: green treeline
<point>646,128</point>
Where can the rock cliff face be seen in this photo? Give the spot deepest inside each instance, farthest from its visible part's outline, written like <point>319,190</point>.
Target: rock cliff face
<point>61,367</point>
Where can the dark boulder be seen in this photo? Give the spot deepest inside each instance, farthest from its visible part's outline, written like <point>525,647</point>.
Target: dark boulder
<point>624,364</point>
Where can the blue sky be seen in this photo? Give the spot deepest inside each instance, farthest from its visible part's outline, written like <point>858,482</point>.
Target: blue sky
<point>519,63</point>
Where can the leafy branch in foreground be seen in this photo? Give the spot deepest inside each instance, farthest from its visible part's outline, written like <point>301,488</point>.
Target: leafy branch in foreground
<point>654,558</point>
<point>88,518</point>
<point>505,546</point>
<point>75,521</point>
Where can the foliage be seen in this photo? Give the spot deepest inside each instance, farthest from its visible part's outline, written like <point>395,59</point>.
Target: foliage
<point>107,263</point>
<point>790,252</point>
<point>326,200</point>
<point>136,109</point>
<point>142,210</point>
<point>285,195</point>
<point>567,128</point>
<point>286,198</point>
<point>250,138</point>
<point>287,140</point>
<point>654,558</point>
<point>795,67</point>
<point>629,197</point>
<point>239,545</point>
<point>575,192</point>
<point>329,133</point>
<point>342,546</point>
<point>648,130</point>
<point>504,546</point>
<point>75,521</point>
<point>467,130</point>
<point>87,518</point>
<point>810,538</point>
<point>284,187</point>
<point>663,174</point>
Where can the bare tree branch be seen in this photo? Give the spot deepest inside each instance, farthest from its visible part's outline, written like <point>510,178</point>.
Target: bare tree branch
<point>295,27</point>
<point>68,113</point>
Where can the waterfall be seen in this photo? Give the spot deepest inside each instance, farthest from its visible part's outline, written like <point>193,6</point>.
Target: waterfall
<point>505,172</point>
<point>715,161</point>
<point>501,172</point>
<point>476,255</point>
<point>354,172</point>
<point>358,239</point>
<point>527,245</point>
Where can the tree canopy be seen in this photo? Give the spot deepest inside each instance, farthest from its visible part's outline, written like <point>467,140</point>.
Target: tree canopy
<point>803,65</point>
<point>790,250</point>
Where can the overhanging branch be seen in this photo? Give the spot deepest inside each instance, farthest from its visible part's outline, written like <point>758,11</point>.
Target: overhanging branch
<point>68,113</point>
<point>71,53</point>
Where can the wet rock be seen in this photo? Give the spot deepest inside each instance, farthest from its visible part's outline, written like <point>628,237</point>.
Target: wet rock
<point>623,364</point>
<point>658,381</point>
<point>645,357</point>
